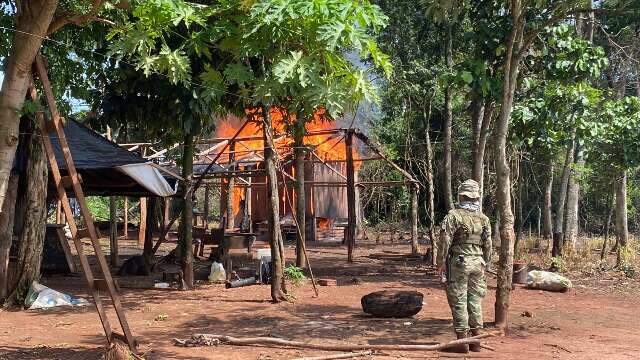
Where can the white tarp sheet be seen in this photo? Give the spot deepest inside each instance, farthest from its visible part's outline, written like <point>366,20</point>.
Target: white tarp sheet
<point>149,177</point>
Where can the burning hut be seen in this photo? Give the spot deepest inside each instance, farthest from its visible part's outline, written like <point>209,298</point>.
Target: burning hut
<point>238,148</point>
<point>243,183</point>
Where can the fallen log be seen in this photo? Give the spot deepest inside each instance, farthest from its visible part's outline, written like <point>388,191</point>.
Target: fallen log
<point>214,340</point>
<point>392,304</point>
<point>338,356</point>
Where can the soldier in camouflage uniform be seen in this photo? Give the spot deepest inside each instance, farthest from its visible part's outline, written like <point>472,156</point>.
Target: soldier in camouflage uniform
<point>464,252</point>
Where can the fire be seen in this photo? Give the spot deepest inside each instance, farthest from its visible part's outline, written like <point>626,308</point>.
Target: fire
<point>248,149</point>
<point>326,146</point>
<point>323,223</point>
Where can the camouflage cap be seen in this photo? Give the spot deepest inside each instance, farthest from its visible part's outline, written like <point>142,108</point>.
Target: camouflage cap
<point>470,189</point>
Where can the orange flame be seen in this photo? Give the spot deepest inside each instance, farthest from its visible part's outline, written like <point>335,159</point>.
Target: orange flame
<point>327,146</point>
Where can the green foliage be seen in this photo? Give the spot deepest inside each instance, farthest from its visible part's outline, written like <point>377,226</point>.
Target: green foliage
<point>294,274</point>
<point>616,137</point>
<point>558,264</point>
<point>295,54</point>
<point>99,207</point>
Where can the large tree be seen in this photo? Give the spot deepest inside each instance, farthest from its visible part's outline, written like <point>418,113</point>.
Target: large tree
<point>32,21</point>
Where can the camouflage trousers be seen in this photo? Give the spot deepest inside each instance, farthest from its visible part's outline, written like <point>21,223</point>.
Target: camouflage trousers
<point>466,287</point>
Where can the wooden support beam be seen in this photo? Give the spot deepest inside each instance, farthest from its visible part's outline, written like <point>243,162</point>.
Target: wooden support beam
<point>142,229</point>
<point>231,182</point>
<point>58,212</point>
<point>167,211</point>
<point>207,189</point>
<point>125,229</point>
<point>113,232</point>
<point>162,152</point>
<point>351,197</point>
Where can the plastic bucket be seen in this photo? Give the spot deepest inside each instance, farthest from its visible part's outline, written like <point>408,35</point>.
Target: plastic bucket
<point>520,272</point>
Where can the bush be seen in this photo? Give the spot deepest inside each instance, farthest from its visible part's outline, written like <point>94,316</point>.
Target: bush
<point>294,274</point>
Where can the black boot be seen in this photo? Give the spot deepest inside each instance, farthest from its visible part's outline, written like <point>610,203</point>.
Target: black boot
<point>475,347</point>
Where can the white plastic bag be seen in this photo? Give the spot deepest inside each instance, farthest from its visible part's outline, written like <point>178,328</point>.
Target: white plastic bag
<point>217,272</point>
<point>42,297</point>
<point>544,280</point>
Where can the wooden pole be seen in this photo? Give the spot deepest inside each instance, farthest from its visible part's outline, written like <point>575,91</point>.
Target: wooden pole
<point>58,212</point>
<point>126,218</point>
<point>351,197</point>
<point>231,184</point>
<point>415,247</point>
<point>113,231</point>
<point>167,212</point>
<point>205,217</point>
<point>248,196</point>
<point>142,230</point>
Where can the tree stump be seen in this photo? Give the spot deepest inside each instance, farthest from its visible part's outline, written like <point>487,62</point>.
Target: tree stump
<point>392,304</point>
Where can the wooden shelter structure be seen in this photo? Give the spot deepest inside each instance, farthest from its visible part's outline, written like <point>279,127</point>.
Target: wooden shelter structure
<point>235,165</point>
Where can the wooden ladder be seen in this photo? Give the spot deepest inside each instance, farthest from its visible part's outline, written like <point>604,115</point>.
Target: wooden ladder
<point>94,285</point>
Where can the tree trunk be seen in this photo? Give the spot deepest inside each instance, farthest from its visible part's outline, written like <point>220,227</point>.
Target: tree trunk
<point>607,228</point>
<point>573,201</point>
<point>113,232</point>
<point>448,123</point>
<point>430,186</point>
<point>547,216</point>
<point>153,225</point>
<point>31,239</point>
<point>186,221</point>
<point>477,116</point>
<point>481,135</point>
<point>503,172</point>
<point>6,233</point>
<point>622,231</point>
<point>518,199</point>
<point>273,212</point>
<point>562,196</point>
<point>351,198</point>
<point>415,247</point>
<point>32,21</point>
<point>301,206</point>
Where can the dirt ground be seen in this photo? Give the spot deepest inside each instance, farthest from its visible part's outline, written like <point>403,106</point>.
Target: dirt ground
<point>597,319</point>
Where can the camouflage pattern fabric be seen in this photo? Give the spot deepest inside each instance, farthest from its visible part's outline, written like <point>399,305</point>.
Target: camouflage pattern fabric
<point>466,287</point>
<point>465,265</point>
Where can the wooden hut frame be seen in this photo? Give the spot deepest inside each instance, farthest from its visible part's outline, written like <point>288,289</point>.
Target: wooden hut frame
<point>347,135</point>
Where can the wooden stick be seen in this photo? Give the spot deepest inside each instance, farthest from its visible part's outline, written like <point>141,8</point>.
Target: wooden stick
<point>304,248</point>
<point>211,339</point>
<point>338,356</point>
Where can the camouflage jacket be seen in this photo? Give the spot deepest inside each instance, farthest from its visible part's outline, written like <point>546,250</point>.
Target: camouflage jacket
<point>459,223</point>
